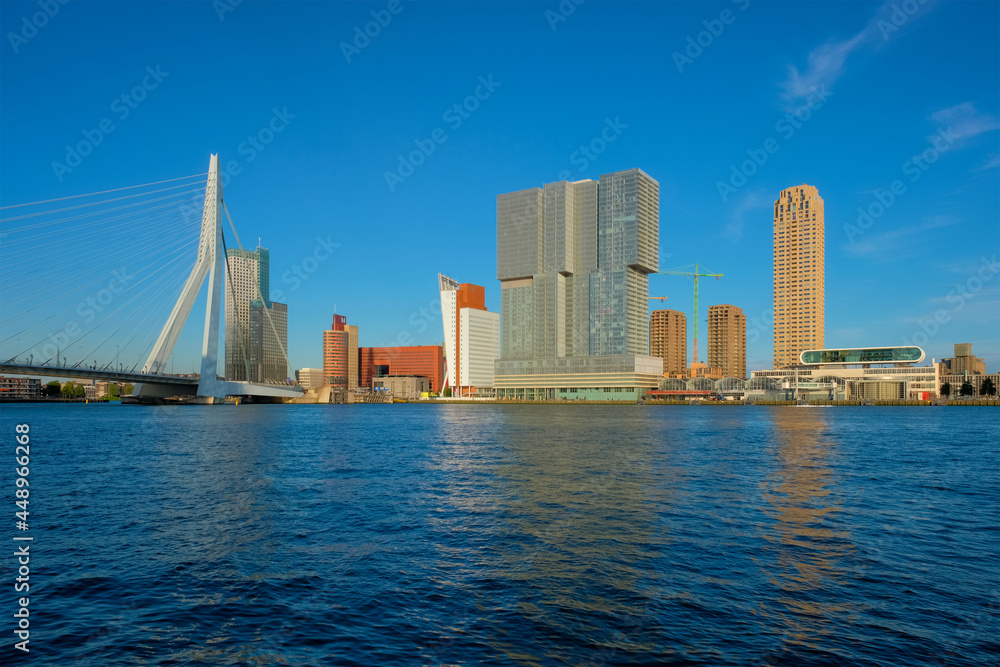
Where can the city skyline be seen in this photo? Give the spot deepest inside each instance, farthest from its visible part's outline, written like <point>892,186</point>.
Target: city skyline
<point>291,162</point>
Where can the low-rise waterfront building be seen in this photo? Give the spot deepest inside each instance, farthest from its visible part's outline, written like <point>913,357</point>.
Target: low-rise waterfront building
<point>403,386</point>
<point>879,390</point>
<point>702,370</point>
<point>850,373</point>
<point>963,362</point>
<point>309,378</point>
<point>595,378</point>
<point>20,388</point>
<point>976,382</point>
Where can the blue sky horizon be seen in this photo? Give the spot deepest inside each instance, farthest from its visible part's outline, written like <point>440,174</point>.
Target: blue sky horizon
<point>383,152</point>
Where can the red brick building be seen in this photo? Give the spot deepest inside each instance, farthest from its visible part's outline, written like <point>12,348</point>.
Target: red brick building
<point>423,360</point>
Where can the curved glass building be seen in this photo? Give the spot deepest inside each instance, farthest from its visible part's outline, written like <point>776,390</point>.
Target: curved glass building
<point>910,354</point>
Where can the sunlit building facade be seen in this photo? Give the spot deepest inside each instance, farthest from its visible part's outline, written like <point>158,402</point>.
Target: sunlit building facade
<point>668,340</point>
<point>309,378</point>
<point>340,355</point>
<point>20,388</point>
<point>417,360</point>
<point>727,340</point>
<point>268,341</point>
<point>877,373</point>
<point>799,273</point>
<point>964,362</point>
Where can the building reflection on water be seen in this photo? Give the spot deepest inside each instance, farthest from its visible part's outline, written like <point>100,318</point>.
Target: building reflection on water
<point>577,520</point>
<point>806,558</point>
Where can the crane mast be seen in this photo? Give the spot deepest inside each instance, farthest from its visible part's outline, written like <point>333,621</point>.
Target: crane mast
<point>696,274</point>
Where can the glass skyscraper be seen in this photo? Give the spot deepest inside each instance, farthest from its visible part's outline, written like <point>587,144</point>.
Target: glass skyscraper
<point>573,261</point>
<point>256,327</point>
<point>628,238</point>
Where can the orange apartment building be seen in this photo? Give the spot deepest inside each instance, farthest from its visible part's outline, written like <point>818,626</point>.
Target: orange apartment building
<point>668,340</point>
<point>799,274</point>
<point>727,340</point>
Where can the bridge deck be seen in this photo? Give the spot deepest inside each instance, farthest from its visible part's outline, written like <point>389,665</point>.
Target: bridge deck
<point>182,383</point>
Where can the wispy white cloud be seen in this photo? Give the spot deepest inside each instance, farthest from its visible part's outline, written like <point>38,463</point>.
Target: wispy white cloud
<point>827,63</point>
<point>848,334</point>
<point>935,221</point>
<point>991,163</point>
<point>966,121</point>
<point>888,245</point>
<point>753,201</point>
<point>977,309</point>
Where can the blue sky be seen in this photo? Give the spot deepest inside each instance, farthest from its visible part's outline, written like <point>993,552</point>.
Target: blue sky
<point>883,83</point>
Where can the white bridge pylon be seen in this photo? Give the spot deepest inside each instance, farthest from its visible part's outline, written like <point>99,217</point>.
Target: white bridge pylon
<point>210,264</point>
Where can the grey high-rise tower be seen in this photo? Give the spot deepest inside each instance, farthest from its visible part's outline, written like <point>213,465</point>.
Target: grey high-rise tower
<point>628,236</point>
<point>546,249</point>
<point>573,261</point>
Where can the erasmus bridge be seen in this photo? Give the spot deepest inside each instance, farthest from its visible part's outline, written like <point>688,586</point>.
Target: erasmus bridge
<point>100,286</point>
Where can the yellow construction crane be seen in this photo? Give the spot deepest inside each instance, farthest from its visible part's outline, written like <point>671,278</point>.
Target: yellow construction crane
<point>697,274</point>
<point>661,298</point>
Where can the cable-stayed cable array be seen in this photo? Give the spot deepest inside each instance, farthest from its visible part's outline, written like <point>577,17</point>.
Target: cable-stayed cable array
<point>87,281</point>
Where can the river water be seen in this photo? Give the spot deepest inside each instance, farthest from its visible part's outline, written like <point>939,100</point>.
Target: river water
<point>383,535</point>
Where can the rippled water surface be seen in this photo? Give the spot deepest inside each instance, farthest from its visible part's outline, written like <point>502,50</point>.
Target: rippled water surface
<point>510,535</point>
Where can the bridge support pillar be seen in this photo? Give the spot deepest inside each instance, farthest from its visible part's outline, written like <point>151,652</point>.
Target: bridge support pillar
<point>210,264</point>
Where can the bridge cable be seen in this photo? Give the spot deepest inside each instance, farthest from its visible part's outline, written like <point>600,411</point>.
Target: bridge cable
<point>76,321</point>
<point>120,326</point>
<point>98,237</point>
<point>91,194</point>
<point>180,238</point>
<point>78,206</point>
<point>117,310</point>
<point>62,232</point>
<point>147,342</point>
<point>124,221</point>
<point>153,298</point>
<point>180,247</point>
